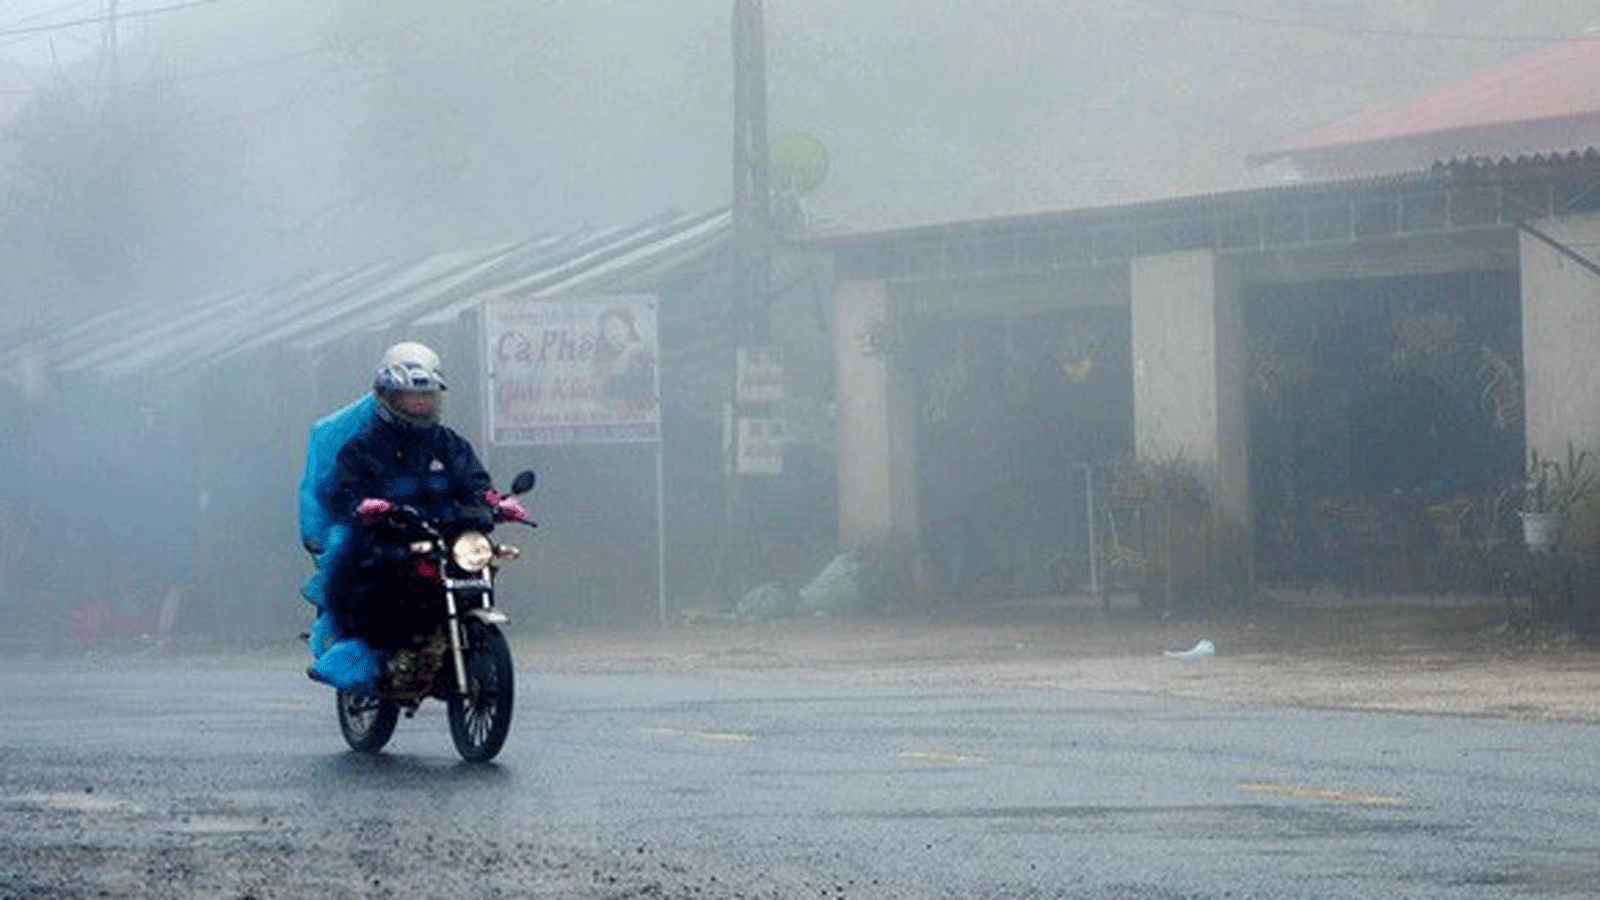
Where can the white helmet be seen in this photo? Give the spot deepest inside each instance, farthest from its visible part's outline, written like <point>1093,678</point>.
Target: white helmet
<point>407,367</point>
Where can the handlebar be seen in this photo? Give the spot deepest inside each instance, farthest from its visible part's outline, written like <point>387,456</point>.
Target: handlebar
<point>521,484</point>
<point>414,516</point>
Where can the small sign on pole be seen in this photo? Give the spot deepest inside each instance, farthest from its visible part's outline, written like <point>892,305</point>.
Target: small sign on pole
<point>758,375</point>
<point>760,447</point>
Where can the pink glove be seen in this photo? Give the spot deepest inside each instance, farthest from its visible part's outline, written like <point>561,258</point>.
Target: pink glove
<point>373,506</point>
<point>510,509</point>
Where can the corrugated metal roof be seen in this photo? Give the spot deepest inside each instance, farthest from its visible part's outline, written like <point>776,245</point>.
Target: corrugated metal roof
<point>1554,83</point>
<point>1184,204</point>
<point>627,259</point>
<point>1480,162</point>
<point>311,311</point>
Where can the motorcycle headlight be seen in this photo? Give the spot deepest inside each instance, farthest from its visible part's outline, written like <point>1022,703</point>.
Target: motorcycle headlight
<point>472,551</point>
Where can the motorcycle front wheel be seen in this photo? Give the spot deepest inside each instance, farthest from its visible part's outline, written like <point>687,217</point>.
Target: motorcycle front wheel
<point>481,719</point>
<point>367,722</point>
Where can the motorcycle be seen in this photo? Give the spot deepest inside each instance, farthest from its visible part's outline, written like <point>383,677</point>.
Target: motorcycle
<point>453,649</point>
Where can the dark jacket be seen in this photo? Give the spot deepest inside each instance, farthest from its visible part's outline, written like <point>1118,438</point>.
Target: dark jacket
<point>432,469</point>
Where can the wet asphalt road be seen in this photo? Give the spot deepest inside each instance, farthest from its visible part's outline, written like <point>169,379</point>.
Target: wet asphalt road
<point>227,778</point>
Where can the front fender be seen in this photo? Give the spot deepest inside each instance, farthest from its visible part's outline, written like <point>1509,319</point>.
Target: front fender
<point>488,616</point>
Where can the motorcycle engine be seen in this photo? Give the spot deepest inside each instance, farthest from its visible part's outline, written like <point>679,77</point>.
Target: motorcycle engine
<point>410,671</point>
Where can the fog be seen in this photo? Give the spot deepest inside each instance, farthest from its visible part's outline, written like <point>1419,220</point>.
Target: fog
<point>316,133</point>
<point>217,147</point>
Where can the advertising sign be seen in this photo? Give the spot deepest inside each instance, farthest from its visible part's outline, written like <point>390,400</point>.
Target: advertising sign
<point>573,371</point>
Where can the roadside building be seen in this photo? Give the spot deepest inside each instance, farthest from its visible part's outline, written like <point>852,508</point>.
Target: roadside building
<point>162,444</point>
<point>1354,362</point>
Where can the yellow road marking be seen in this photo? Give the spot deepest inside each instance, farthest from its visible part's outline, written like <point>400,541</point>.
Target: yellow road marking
<point>1307,792</point>
<point>723,737</point>
<point>931,756</point>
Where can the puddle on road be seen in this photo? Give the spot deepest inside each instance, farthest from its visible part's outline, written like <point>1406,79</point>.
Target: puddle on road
<point>90,803</point>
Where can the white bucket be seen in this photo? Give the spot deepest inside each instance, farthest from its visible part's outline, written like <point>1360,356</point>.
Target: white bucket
<point>1541,531</point>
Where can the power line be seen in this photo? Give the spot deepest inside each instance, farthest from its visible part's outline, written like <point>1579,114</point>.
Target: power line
<point>41,15</point>
<point>1353,30</point>
<point>270,61</point>
<point>34,17</point>
<point>103,18</point>
<point>206,73</point>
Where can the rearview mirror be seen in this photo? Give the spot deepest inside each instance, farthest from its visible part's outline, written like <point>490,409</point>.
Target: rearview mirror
<point>523,483</point>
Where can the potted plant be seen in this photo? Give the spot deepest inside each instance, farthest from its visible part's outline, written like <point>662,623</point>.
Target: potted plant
<point>1172,506</point>
<point>1553,488</point>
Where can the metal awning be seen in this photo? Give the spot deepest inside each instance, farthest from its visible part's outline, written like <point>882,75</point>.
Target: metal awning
<point>308,312</point>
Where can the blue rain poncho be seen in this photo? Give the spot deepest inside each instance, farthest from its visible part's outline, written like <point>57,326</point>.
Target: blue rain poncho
<point>350,666</point>
<point>320,530</point>
<point>328,436</point>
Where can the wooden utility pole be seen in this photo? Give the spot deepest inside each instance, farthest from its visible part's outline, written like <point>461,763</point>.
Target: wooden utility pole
<point>751,275</point>
<point>751,198</point>
<point>112,56</point>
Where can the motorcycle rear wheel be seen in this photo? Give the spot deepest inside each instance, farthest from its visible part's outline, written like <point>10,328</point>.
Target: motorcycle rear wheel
<point>480,720</point>
<point>366,721</point>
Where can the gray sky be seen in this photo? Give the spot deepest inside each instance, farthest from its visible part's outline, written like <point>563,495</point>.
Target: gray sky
<point>561,114</point>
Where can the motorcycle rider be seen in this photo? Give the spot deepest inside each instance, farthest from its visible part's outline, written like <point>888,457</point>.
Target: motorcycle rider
<point>321,532</point>
<point>401,455</point>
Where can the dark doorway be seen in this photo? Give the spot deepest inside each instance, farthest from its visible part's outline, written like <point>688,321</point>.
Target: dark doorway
<point>1386,428</point>
<point>1010,414</point>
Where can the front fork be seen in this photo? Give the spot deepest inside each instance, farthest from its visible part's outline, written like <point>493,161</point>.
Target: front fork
<point>456,656</point>
<point>485,612</point>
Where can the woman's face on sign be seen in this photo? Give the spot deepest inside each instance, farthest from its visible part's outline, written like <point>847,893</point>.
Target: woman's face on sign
<point>615,332</point>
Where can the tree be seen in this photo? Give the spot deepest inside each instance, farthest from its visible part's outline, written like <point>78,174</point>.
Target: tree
<point>115,198</point>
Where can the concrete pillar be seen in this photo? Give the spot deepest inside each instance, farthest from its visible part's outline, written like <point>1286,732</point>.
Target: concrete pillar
<point>1561,337</point>
<point>877,424</point>
<point>1188,371</point>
